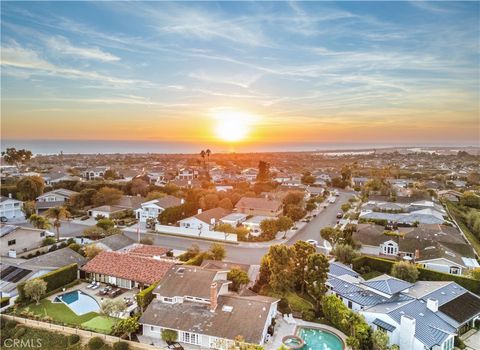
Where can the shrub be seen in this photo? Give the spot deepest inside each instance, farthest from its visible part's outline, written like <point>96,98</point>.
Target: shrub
<point>95,343</point>
<point>284,307</point>
<point>145,297</point>
<point>20,332</point>
<point>308,315</point>
<point>120,345</point>
<point>48,241</point>
<point>169,335</point>
<point>73,339</point>
<point>10,324</point>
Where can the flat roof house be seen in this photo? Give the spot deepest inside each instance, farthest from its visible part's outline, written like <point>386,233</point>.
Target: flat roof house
<point>259,206</point>
<point>195,302</point>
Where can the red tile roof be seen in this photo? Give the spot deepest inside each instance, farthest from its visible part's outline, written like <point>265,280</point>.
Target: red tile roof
<point>148,250</point>
<point>128,266</point>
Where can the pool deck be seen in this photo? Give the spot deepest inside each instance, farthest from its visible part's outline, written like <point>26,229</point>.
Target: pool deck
<point>282,329</point>
<point>95,293</point>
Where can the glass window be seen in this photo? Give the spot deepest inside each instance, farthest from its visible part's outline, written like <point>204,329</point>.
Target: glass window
<point>12,242</point>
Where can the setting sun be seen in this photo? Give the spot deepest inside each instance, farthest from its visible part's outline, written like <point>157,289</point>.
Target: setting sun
<point>232,125</point>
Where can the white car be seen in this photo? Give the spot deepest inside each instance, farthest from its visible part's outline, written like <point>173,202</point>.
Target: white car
<point>312,242</point>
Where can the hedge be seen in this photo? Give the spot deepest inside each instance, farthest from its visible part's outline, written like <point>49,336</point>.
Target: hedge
<point>4,301</point>
<point>55,280</point>
<point>145,297</point>
<point>385,266</point>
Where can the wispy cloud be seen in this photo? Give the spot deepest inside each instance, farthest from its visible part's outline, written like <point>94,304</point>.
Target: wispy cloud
<point>63,47</point>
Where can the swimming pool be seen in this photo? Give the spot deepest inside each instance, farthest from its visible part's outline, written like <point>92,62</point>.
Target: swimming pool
<point>78,302</point>
<point>318,339</point>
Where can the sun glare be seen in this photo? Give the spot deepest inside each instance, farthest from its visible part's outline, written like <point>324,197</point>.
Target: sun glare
<point>232,126</point>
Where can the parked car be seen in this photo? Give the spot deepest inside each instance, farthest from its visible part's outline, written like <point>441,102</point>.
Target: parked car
<point>3,219</point>
<point>312,242</point>
<point>339,215</point>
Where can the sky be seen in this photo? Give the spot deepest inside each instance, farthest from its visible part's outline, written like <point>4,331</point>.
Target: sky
<point>284,72</point>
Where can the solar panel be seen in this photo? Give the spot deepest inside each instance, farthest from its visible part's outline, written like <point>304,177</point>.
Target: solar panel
<point>5,272</point>
<point>14,274</point>
<point>20,275</point>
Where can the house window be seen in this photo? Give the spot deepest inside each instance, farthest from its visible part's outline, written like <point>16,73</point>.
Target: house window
<point>168,300</point>
<point>349,304</point>
<point>42,234</point>
<point>12,242</point>
<point>454,270</point>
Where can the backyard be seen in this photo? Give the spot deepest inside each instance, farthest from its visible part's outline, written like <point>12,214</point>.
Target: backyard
<point>61,313</point>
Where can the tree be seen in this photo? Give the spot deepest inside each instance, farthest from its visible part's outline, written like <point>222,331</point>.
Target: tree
<point>380,340</point>
<point>109,307</point>
<point>238,278</point>
<point>284,224</point>
<point>191,252</point>
<point>171,215</point>
<point>209,201</point>
<point>138,187</point>
<point>346,207</point>
<point>16,157</point>
<point>57,214</point>
<point>28,208</point>
<point>475,273</point>
<point>203,154</point>
<point>146,241</point>
<point>405,271</point>
<point>169,335</point>
<point>308,178</point>
<point>126,326</point>
<point>91,251</point>
<point>295,212</point>
<point>263,171</point>
<point>301,251</point>
<point>94,232</point>
<point>471,200</point>
<point>226,203</point>
<point>107,196</point>
<point>344,253</point>
<point>339,183</point>
<point>316,276</point>
<point>35,289</point>
<point>280,266</point>
<point>110,174</point>
<point>217,251</point>
<point>105,224</point>
<point>39,222</point>
<point>227,228</point>
<point>331,235</point>
<point>269,228</point>
<point>154,195</point>
<point>293,197</point>
<point>30,187</point>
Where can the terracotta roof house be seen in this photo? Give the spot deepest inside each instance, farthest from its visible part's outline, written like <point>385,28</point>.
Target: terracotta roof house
<point>259,206</point>
<point>126,270</point>
<point>196,303</point>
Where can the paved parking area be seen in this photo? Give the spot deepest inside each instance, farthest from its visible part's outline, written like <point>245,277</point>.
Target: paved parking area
<point>473,341</point>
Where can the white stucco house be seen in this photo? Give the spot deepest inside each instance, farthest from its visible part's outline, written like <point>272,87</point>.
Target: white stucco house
<point>11,209</point>
<point>153,208</point>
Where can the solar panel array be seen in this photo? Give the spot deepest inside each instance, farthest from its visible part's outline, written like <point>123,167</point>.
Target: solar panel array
<point>13,274</point>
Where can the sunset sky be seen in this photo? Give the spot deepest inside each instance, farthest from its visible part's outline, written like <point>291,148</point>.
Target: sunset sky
<point>242,72</point>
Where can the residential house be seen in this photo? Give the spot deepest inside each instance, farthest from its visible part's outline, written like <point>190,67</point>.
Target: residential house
<point>249,174</point>
<point>436,247</point>
<point>54,178</point>
<point>153,208</point>
<point>251,270</point>
<point>423,212</point>
<point>259,206</point>
<point>234,219</point>
<point>16,239</point>
<point>313,191</point>
<point>196,303</point>
<point>424,315</point>
<point>359,181</point>
<point>204,220</point>
<point>186,183</point>
<point>11,209</point>
<point>125,205</point>
<point>95,173</point>
<point>55,198</point>
<point>16,270</point>
<point>129,269</point>
<point>116,242</point>
<point>187,174</point>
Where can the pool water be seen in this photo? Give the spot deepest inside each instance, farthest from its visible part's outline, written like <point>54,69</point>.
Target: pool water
<point>316,339</point>
<point>78,302</point>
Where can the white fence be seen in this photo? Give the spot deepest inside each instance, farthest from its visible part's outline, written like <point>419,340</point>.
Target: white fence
<point>194,233</point>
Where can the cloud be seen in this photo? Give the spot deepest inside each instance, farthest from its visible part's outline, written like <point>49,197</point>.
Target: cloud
<point>430,6</point>
<point>63,46</point>
<point>18,57</point>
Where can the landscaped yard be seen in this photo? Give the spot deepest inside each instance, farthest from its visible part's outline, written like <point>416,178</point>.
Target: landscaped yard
<point>457,214</point>
<point>297,302</point>
<point>59,312</point>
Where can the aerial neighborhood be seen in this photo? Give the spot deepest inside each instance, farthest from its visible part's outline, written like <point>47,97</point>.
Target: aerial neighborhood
<point>369,250</point>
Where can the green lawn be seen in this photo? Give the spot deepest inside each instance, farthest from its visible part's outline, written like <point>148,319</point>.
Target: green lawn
<point>101,324</point>
<point>61,313</point>
<point>297,302</point>
<point>372,274</point>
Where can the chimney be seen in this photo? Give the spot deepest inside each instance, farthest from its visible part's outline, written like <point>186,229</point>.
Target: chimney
<point>9,195</point>
<point>182,201</point>
<point>407,332</point>
<point>417,254</point>
<point>432,304</point>
<point>199,211</point>
<point>213,296</point>
<point>212,221</point>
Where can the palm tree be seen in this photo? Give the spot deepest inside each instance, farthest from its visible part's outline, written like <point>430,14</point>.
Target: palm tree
<point>203,154</point>
<point>39,222</point>
<point>57,214</point>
